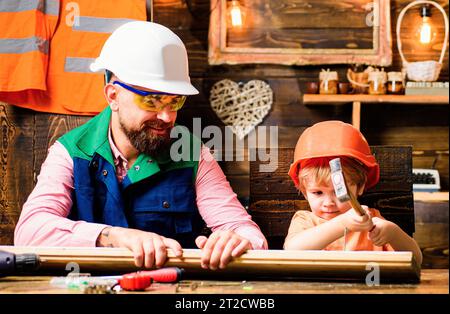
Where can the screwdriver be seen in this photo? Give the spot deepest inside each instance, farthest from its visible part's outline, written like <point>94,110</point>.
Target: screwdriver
<point>141,280</point>
<point>14,264</point>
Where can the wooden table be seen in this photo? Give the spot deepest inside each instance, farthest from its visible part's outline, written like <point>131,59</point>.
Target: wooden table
<point>433,281</point>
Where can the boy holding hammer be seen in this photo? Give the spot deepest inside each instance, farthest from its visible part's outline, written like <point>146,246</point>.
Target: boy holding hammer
<point>332,224</point>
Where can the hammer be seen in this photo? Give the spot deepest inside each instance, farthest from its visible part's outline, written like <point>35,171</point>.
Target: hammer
<point>340,188</point>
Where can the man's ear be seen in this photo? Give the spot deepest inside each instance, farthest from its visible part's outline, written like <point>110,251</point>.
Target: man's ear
<point>111,96</point>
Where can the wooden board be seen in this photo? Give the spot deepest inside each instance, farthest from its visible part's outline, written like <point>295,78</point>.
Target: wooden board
<point>328,265</point>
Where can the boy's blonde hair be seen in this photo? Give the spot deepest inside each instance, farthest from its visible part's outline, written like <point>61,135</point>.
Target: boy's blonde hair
<point>318,169</point>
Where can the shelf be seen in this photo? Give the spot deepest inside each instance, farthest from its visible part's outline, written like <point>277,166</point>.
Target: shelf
<point>431,196</point>
<point>316,99</point>
<point>358,99</point>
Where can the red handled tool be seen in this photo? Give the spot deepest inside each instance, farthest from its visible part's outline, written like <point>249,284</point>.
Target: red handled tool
<point>143,279</point>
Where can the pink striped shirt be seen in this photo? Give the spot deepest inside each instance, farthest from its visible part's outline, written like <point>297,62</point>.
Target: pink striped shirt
<point>44,221</point>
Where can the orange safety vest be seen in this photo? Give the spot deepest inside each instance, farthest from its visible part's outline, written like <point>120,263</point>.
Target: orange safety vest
<point>25,30</point>
<point>69,87</point>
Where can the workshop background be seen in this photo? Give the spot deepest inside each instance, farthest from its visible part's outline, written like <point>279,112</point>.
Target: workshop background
<point>27,134</point>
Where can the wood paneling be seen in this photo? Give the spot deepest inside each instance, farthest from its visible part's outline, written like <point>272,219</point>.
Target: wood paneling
<point>16,166</point>
<point>432,232</point>
<point>301,39</point>
<point>26,137</point>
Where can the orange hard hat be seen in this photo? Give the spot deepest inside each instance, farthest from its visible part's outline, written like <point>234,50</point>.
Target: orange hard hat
<point>334,139</point>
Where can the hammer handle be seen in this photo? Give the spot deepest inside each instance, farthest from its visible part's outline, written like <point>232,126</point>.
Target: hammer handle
<point>355,204</point>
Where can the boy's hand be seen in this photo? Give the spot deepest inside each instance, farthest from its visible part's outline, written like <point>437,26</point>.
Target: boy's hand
<point>220,248</point>
<point>383,232</point>
<point>354,222</point>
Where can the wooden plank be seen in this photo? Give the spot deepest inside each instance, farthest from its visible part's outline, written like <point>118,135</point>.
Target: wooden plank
<point>431,218</point>
<point>274,217</point>
<point>49,127</point>
<point>395,173</point>
<point>393,116</point>
<point>420,137</point>
<point>192,14</point>
<point>356,39</point>
<point>16,166</point>
<point>239,184</point>
<point>356,114</point>
<point>397,266</point>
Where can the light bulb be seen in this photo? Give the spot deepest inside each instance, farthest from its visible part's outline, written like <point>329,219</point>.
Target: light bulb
<point>425,31</point>
<point>236,14</point>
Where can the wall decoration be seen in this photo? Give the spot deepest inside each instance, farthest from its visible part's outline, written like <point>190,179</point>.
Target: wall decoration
<point>423,71</point>
<point>241,106</point>
<point>301,32</point>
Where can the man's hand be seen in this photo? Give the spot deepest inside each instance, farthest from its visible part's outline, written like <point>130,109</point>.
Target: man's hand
<point>149,249</point>
<point>220,247</point>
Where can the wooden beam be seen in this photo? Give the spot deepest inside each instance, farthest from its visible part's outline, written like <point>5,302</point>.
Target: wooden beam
<point>393,266</point>
<point>356,114</point>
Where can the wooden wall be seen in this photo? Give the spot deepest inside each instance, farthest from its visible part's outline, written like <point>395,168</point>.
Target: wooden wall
<point>26,134</point>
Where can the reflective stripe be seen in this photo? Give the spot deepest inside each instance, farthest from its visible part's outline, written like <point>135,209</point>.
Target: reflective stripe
<point>24,45</point>
<point>80,65</point>
<point>50,7</point>
<point>99,24</point>
<point>20,5</point>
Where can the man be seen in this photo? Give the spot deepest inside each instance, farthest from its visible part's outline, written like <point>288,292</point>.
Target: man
<point>113,182</point>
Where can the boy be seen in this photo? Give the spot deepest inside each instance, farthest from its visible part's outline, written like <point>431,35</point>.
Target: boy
<point>332,225</point>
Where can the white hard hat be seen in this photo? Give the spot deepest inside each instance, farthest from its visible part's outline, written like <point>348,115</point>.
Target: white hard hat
<point>148,55</point>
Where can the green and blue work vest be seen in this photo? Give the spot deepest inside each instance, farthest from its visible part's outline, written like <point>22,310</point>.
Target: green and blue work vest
<point>157,194</point>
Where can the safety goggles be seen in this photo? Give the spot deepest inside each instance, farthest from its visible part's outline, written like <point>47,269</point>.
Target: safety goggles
<point>155,101</point>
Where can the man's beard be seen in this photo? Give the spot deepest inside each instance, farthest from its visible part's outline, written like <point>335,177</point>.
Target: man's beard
<point>145,141</point>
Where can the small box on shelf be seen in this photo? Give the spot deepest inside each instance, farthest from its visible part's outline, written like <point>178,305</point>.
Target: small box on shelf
<point>427,88</point>
<point>426,180</point>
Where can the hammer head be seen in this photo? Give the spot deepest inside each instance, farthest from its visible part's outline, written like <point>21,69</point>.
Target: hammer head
<point>337,178</point>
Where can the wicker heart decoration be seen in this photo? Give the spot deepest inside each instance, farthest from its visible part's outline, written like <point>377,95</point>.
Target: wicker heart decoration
<point>241,106</point>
